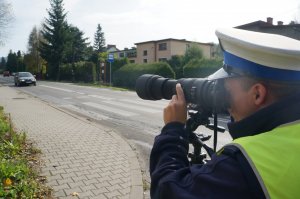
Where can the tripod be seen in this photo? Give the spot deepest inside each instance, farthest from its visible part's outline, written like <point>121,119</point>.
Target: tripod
<point>197,118</point>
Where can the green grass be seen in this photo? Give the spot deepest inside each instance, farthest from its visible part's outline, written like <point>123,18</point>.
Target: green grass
<point>18,165</point>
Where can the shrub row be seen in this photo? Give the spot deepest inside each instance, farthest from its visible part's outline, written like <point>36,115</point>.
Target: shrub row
<point>127,75</point>
<point>200,68</point>
<point>79,72</point>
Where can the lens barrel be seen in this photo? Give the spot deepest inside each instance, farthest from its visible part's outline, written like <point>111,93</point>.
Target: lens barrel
<point>198,91</point>
<point>154,87</point>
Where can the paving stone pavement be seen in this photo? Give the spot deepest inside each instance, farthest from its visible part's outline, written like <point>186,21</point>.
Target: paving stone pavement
<point>80,156</point>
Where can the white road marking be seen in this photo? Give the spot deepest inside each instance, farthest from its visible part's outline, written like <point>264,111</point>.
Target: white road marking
<point>109,109</point>
<point>139,108</point>
<point>84,112</point>
<point>82,97</point>
<point>146,103</point>
<point>61,89</point>
<point>80,93</point>
<point>100,97</point>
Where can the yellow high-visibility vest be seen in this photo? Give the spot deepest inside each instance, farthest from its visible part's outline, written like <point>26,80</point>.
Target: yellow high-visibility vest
<point>275,159</point>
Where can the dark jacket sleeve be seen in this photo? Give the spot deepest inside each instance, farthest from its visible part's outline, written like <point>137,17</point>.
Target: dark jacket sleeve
<point>173,177</point>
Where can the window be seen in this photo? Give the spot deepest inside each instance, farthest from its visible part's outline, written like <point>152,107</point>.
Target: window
<point>145,60</point>
<point>121,54</point>
<point>131,54</point>
<point>162,46</point>
<point>162,59</point>
<point>145,52</point>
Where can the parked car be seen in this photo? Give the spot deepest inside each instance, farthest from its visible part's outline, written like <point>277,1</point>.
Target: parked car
<point>24,78</point>
<point>6,73</point>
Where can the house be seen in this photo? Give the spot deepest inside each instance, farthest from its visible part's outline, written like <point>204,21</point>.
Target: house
<point>162,50</point>
<point>111,48</point>
<point>129,53</point>
<point>291,30</point>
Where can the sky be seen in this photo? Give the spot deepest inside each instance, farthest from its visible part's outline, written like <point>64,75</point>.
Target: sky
<point>126,22</point>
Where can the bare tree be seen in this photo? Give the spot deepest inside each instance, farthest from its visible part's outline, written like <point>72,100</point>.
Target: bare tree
<point>6,18</point>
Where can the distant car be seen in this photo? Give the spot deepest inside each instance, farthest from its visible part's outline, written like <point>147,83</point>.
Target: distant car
<point>6,73</point>
<point>24,78</point>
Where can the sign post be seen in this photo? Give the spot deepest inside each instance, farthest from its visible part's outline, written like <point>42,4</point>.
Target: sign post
<point>110,60</point>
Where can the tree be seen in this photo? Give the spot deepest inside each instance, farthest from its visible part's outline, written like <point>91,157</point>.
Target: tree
<point>217,51</point>
<point>2,63</point>
<point>6,18</point>
<point>55,35</point>
<point>20,62</point>
<point>193,52</point>
<point>176,63</point>
<point>76,45</point>
<point>33,59</point>
<point>99,40</point>
<point>76,48</point>
<point>12,62</point>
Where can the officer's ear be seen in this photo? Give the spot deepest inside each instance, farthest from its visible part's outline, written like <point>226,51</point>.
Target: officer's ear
<point>259,94</point>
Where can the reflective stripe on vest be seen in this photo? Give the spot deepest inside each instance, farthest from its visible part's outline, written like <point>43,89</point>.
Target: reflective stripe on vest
<point>275,159</point>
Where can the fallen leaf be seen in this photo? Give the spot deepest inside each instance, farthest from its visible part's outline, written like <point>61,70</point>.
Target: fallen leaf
<point>75,194</point>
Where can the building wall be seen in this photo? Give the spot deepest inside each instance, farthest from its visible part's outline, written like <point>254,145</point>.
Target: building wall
<point>150,48</point>
<point>163,53</point>
<point>173,47</point>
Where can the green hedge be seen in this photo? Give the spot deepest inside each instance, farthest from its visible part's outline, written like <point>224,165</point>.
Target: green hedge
<point>200,68</point>
<point>83,72</point>
<point>127,75</point>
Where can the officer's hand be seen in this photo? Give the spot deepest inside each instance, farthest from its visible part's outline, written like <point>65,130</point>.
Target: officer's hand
<point>176,110</point>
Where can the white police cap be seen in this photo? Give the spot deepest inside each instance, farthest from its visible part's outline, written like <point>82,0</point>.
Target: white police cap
<point>262,55</point>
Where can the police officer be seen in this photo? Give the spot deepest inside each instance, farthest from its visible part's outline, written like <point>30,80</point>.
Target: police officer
<point>261,75</point>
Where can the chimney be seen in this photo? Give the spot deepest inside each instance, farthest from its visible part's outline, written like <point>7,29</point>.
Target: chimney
<point>270,20</point>
<point>279,23</point>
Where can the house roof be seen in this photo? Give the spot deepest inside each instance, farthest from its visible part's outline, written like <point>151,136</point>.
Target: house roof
<point>172,39</point>
<point>255,23</point>
<point>266,25</point>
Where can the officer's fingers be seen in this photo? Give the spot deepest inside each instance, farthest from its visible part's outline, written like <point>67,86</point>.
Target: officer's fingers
<point>180,94</point>
<point>174,98</point>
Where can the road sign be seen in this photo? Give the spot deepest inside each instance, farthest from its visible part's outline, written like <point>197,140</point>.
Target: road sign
<point>110,58</point>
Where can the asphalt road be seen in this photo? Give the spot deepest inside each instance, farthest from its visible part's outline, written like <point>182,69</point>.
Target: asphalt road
<point>137,120</point>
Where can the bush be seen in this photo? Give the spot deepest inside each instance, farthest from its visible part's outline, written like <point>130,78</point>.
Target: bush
<point>83,71</point>
<point>66,72</point>
<point>176,63</point>
<point>200,68</point>
<point>127,75</point>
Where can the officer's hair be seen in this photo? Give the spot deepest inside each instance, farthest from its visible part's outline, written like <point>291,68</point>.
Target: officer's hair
<point>278,89</point>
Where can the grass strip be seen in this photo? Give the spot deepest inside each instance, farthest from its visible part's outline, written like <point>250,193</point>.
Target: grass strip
<point>19,165</point>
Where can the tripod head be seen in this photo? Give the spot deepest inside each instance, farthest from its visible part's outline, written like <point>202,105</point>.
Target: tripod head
<point>197,118</point>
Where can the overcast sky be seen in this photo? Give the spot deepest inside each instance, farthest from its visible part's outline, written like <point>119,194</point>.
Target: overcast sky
<point>126,22</point>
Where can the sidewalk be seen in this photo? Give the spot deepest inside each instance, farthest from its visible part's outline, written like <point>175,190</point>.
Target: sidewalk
<point>80,156</point>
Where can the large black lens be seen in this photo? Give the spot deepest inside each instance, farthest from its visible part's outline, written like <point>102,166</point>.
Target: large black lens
<point>199,91</point>
<point>154,87</point>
